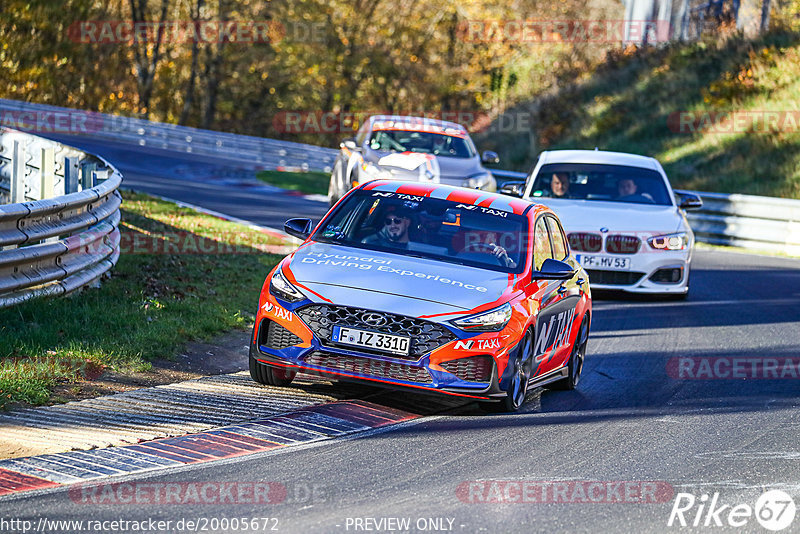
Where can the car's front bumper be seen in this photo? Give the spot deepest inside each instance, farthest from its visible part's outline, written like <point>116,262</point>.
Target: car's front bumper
<point>653,272</point>
<point>344,364</point>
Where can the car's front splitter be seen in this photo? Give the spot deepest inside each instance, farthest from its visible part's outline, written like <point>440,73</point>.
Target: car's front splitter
<point>448,386</point>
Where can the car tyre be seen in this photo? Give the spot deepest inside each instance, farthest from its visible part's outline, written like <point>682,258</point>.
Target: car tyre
<point>518,388</point>
<point>270,376</point>
<point>576,359</point>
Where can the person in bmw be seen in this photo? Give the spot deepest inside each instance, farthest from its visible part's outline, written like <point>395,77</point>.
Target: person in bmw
<point>628,191</point>
<point>559,185</point>
<point>625,223</point>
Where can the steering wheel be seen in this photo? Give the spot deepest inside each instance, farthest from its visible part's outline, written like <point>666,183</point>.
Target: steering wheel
<point>488,248</point>
<point>637,198</point>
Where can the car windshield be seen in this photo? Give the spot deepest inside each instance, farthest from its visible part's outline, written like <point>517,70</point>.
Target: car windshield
<point>422,142</point>
<point>611,183</point>
<point>431,228</point>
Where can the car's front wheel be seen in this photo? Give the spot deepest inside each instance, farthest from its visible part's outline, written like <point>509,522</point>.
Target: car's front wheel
<point>270,376</point>
<point>576,358</point>
<point>518,384</point>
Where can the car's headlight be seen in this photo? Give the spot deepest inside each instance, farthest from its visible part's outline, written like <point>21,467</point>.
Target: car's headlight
<point>477,181</point>
<point>282,288</point>
<point>489,321</point>
<point>676,241</point>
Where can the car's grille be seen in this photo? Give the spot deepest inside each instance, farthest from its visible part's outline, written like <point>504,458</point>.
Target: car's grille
<point>623,244</point>
<point>274,336</point>
<point>369,367</point>
<point>425,335</point>
<point>474,369</point>
<point>613,278</point>
<point>585,242</point>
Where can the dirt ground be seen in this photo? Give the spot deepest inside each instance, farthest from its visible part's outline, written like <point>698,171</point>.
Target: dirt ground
<point>224,354</point>
<point>227,353</point>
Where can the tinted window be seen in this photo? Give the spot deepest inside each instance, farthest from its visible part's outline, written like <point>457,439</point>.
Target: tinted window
<point>557,237</point>
<point>613,183</point>
<point>422,142</point>
<point>541,244</point>
<point>431,228</point>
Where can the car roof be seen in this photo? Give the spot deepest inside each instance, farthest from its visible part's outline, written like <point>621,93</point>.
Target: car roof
<point>418,121</point>
<point>476,197</point>
<point>598,157</point>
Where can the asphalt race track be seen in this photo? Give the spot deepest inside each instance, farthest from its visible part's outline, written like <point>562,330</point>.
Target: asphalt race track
<point>222,185</point>
<point>698,397</point>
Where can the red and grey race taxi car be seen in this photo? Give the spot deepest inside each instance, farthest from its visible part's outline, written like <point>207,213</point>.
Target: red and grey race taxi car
<point>427,286</point>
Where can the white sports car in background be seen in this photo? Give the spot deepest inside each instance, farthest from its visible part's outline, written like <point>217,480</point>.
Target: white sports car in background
<point>416,149</point>
<point>624,222</point>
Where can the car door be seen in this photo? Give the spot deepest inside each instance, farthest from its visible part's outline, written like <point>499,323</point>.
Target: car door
<point>545,295</point>
<point>557,312</point>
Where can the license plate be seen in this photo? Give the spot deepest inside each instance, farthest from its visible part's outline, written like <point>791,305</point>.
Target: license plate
<point>372,340</point>
<point>605,262</point>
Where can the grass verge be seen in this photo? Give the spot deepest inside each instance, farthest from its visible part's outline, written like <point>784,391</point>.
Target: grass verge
<point>182,276</point>
<point>310,183</point>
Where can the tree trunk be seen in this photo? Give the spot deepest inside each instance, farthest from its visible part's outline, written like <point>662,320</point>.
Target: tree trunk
<point>214,72</point>
<point>147,63</point>
<point>189,98</point>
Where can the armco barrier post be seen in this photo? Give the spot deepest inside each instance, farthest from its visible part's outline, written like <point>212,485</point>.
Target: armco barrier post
<point>18,173</point>
<point>86,176</point>
<point>46,240</point>
<point>47,172</point>
<point>70,175</point>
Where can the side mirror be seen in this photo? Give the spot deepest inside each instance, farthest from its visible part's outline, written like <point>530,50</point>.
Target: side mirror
<point>554,270</point>
<point>299,228</point>
<point>490,157</point>
<point>350,144</point>
<point>514,189</point>
<point>689,201</point>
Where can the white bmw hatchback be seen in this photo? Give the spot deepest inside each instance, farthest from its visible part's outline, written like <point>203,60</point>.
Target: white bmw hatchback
<point>625,224</point>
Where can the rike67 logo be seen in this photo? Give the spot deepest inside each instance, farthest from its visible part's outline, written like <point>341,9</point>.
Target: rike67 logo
<point>774,510</point>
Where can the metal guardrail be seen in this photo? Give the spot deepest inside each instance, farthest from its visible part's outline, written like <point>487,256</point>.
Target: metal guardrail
<point>267,153</point>
<point>747,221</point>
<point>741,220</point>
<point>59,232</point>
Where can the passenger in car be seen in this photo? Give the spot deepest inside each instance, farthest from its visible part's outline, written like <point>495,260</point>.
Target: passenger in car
<point>629,190</point>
